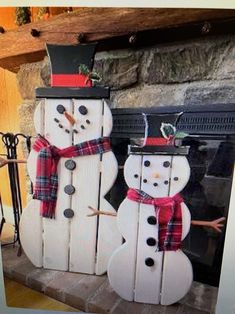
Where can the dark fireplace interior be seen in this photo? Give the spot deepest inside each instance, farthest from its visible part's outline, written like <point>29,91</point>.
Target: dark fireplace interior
<point>211,138</point>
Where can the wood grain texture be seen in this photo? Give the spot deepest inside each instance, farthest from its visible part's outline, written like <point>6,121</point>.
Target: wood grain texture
<point>18,46</point>
<point>20,296</point>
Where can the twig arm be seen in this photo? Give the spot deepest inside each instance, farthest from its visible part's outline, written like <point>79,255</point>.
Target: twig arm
<point>216,224</point>
<point>96,212</point>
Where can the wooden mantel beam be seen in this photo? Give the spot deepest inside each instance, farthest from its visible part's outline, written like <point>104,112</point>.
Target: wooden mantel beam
<point>19,46</point>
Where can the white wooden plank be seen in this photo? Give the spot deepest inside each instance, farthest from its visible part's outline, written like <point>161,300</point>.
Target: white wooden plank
<point>180,174</point>
<point>109,237</point>
<point>86,179</point>
<point>156,173</point>
<point>31,165</point>
<point>83,228</point>
<point>177,277</point>
<point>107,120</point>
<point>148,279</point>
<point>31,232</point>
<point>53,133</point>
<point>94,115</point>
<point>186,220</point>
<point>122,264</point>
<point>38,117</point>
<point>56,231</point>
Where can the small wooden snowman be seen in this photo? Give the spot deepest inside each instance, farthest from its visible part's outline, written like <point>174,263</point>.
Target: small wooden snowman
<point>150,266</point>
<point>72,167</point>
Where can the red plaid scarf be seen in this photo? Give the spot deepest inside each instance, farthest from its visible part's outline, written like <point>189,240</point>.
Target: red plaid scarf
<point>169,218</point>
<point>46,184</point>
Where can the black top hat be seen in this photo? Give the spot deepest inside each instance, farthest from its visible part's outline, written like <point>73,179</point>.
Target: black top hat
<point>66,61</point>
<point>160,131</point>
<point>71,73</point>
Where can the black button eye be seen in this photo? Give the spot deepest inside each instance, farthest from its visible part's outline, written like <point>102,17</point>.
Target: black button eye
<point>166,164</point>
<point>60,109</point>
<point>83,110</point>
<point>176,178</point>
<point>136,176</point>
<point>147,163</point>
<point>145,181</point>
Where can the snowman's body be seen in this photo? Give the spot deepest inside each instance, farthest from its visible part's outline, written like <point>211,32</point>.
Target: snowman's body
<point>72,241</point>
<point>170,276</point>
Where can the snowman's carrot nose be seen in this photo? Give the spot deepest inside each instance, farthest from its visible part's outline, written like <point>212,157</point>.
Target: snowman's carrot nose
<point>156,175</point>
<point>69,117</point>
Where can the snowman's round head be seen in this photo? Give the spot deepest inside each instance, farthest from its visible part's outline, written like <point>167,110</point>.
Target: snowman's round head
<point>157,175</point>
<point>66,122</point>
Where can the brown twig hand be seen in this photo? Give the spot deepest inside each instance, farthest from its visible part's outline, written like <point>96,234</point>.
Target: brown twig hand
<point>4,162</point>
<point>96,212</point>
<point>216,224</point>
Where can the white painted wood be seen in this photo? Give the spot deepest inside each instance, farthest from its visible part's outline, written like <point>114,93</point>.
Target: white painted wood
<point>31,232</point>
<point>53,133</point>
<point>31,165</point>
<point>107,120</point>
<point>177,277</point>
<point>122,264</point>
<point>38,117</point>
<point>86,179</point>
<point>56,231</point>
<point>121,267</point>
<point>179,169</point>
<point>156,173</point>
<point>109,237</point>
<point>148,279</point>
<point>83,228</point>
<point>186,220</point>
<point>154,284</point>
<point>94,115</point>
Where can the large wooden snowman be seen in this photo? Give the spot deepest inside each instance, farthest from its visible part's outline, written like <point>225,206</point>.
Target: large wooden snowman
<point>153,219</point>
<point>72,167</point>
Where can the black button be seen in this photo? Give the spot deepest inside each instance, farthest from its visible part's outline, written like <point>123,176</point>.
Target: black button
<point>166,182</point>
<point>152,220</point>
<point>83,110</point>
<point>155,184</point>
<point>136,176</point>
<point>70,164</point>
<point>176,178</point>
<point>69,189</point>
<point>68,213</point>
<point>145,181</point>
<point>166,164</point>
<point>149,262</point>
<point>151,241</point>
<point>60,109</point>
<point>147,163</point>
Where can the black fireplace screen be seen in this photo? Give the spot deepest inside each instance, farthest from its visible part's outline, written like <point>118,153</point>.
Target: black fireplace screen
<point>211,157</point>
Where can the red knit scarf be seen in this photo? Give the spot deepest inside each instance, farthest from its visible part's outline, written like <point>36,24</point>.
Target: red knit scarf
<point>169,218</point>
<point>46,184</point>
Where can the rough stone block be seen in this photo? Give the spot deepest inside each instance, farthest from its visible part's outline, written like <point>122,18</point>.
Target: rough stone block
<point>32,75</point>
<point>78,295</point>
<point>118,70</point>
<point>22,271</point>
<point>104,300</point>
<point>10,260</point>
<point>26,112</point>
<point>40,279</point>
<point>213,93</point>
<point>148,96</point>
<point>61,284</point>
<point>226,70</point>
<point>177,63</point>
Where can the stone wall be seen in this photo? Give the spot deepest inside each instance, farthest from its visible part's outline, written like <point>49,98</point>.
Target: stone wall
<point>200,71</point>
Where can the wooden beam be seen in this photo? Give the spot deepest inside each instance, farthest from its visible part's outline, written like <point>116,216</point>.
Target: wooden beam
<point>19,46</point>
